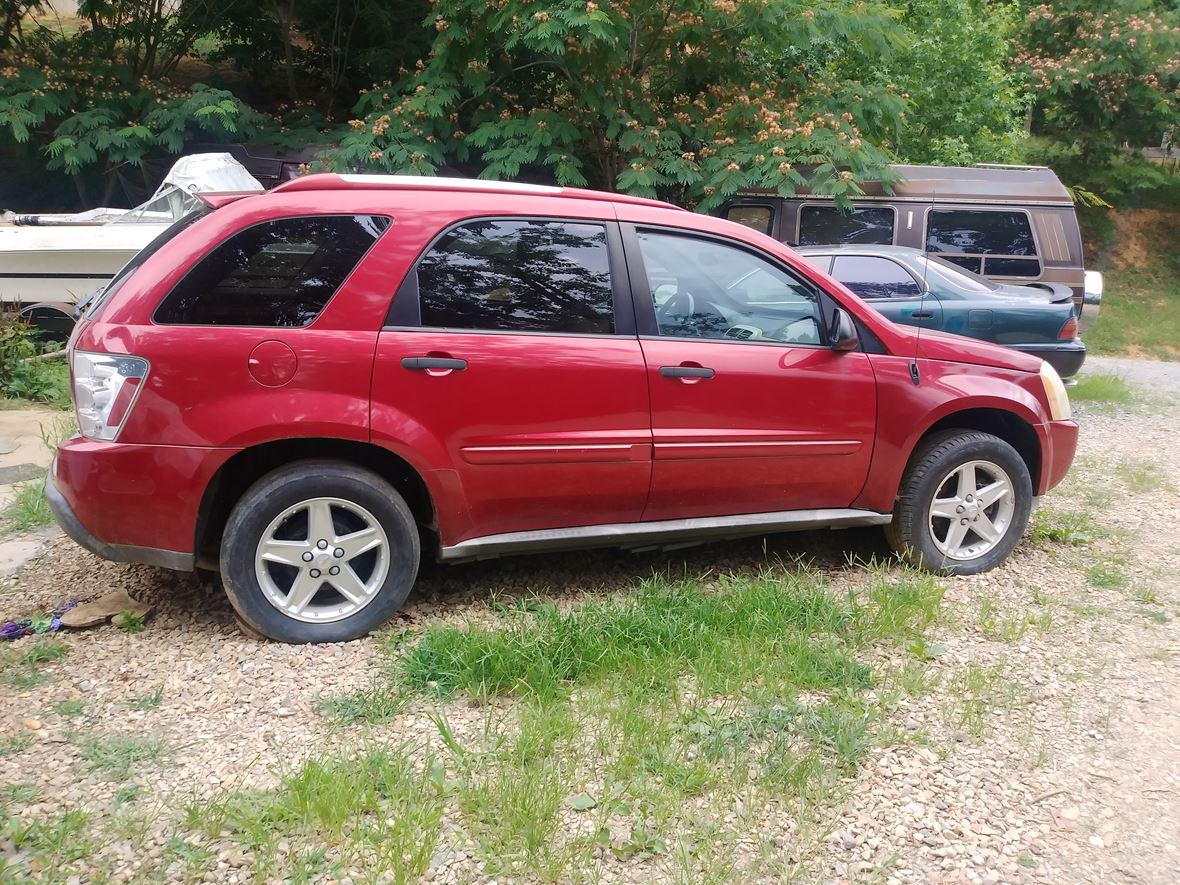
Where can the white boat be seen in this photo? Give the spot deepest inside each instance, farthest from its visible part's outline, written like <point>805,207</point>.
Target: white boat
<point>50,262</point>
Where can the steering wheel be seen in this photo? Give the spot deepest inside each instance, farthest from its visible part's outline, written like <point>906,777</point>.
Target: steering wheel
<point>682,304</point>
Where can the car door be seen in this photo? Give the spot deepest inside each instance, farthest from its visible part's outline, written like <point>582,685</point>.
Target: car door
<point>752,412</point>
<point>890,288</point>
<point>511,368</point>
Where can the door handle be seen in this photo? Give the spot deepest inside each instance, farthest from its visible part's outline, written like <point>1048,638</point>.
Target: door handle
<point>922,315</point>
<point>424,363</point>
<point>686,372</point>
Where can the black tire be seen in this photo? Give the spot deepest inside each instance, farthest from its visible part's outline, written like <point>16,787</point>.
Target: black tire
<point>910,533</point>
<point>287,487</point>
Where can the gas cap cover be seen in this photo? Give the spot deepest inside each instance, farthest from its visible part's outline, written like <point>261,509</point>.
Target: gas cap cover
<point>272,363</point>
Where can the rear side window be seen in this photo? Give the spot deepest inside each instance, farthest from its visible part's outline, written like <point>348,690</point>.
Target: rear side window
<point>277,273</point>
<point>872,277</point>
<point>828,226</point>
<point>988,242</point>
<point>519,276</point>
<point>758,217</point>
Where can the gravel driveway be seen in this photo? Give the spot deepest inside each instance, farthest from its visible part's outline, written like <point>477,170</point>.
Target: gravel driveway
<point>1162,376</point>
<point>1043,749</point>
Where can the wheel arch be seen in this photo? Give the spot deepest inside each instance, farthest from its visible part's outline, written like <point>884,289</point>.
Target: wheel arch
<point>238,473</point>
<point>1002,423</point>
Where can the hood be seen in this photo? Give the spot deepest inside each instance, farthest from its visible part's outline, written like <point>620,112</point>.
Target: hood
<point>957,349</point>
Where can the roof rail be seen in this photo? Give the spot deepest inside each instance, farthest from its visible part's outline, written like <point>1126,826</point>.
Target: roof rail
<point>1007,166</point>
<point>344,181</point>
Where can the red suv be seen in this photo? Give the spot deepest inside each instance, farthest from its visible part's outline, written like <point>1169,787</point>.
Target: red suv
<point>308,389</point>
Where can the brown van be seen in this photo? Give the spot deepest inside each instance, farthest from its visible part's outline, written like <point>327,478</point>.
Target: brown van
<point>1012,224</point>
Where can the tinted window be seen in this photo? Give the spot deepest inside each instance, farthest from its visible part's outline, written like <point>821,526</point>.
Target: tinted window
<point>757,217</point>
<point>979,232</point>
<point>875,277</point>
<point>278,273</point>
<point>828,226</point>
<point>705,289</point>
<point>533,276</point>
<point>1011,267</point>
<point>975,265</point>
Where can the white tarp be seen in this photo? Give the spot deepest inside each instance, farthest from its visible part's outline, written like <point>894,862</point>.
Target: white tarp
<point>210,173</point>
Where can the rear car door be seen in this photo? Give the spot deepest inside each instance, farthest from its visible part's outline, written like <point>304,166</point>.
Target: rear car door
<point>752,412</point>
<point>509,365</point>
<point>890,288</point>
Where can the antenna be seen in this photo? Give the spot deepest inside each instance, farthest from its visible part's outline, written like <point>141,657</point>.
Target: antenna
<point>920,313</point>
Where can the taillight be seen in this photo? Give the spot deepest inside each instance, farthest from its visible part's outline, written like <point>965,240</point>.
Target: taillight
<point>1069,331</point>
<point>105,388</point>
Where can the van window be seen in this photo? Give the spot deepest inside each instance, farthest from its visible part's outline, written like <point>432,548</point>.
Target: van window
<point>984,241</point>
<point>519,276</point>
<point>828,226</point>
<point>278,273</point>
<point>757,217</point>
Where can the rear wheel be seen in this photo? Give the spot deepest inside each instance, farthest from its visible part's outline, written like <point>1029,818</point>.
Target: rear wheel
<point>963,505</point>
<point>319,551</point>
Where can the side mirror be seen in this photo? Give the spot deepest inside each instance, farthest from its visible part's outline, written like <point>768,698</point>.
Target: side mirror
<point>842,332</point>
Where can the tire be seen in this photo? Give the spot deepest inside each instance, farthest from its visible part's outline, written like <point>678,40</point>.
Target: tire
<point>286,585</point>
<point>941,470</point>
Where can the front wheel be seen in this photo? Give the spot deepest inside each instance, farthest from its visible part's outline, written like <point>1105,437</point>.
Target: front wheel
<point>319,551</point>
<point>963,504</point>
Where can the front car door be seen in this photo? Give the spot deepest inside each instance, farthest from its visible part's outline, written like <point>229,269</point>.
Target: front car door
<point>510,364</point>
<point>752,412</point>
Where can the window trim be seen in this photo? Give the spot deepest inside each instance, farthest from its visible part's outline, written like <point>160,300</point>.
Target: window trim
<point>405,311</point>
<point>983,256</point>
<point>923,286</point>
<point>831,204</point>
<point>209,251</point>
<point>645,314</point>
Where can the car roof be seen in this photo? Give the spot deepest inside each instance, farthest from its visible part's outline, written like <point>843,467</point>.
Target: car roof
<point>331,181</point>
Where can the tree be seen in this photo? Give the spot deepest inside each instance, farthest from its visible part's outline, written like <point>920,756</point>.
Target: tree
<point>966,104</point>
<point>688,100</point>
<point>1103,77</point>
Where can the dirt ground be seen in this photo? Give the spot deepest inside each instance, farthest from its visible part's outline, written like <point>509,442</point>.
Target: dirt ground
<point>1072,775</point>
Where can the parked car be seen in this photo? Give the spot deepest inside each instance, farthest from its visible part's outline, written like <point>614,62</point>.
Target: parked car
<point>1011,224</point>
<point>312,388</point>
<point>929,292</point>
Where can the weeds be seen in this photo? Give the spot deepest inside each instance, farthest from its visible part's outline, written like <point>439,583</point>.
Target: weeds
<point>1142,476</point>
<point>149,701</point>
<point>116,755</point>
<point>1073,527</point>
<point>1104,390</point>
<point>22,376</point>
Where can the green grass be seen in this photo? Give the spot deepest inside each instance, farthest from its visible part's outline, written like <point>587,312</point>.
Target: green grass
<point>1143,476</point>
<point>381,811</point>
<point>21,666</point>
<point>149,701</point>
<point>1107,575</point>
<point>115,755</point>
<point>1072,527</point>
<point>28,510</point>
<point>1103,390</point>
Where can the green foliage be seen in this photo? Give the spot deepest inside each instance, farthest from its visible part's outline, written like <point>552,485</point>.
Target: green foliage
<point>24,377</point>
<point>692,102</point>
<point>965,104</point>
<point>1103,75</point>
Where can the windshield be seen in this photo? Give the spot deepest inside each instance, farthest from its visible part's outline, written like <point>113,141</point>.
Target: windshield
<point>102,296</point>
<point>957,277</point>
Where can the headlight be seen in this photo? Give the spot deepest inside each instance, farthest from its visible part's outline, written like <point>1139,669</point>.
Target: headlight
<point>1059,409</point>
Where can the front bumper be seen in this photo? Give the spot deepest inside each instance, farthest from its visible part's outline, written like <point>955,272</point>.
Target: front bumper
<point>1059,444</point>
<point>1067,357</point>
<point>73,527</point>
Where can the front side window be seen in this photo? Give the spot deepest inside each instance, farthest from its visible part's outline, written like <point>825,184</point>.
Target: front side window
<point>757,217</point>
<point>871,277</point>
<point>706,289</point>
<point>829,226</point>
<point>277,273</point>
<point>516,275</point>
<point>984,241</point>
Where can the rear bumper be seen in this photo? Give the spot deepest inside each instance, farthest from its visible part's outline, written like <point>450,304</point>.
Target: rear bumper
<point>1067,357</point>
<point>1059,443</point>
<point>73,527</point>
<point>132,503</point>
